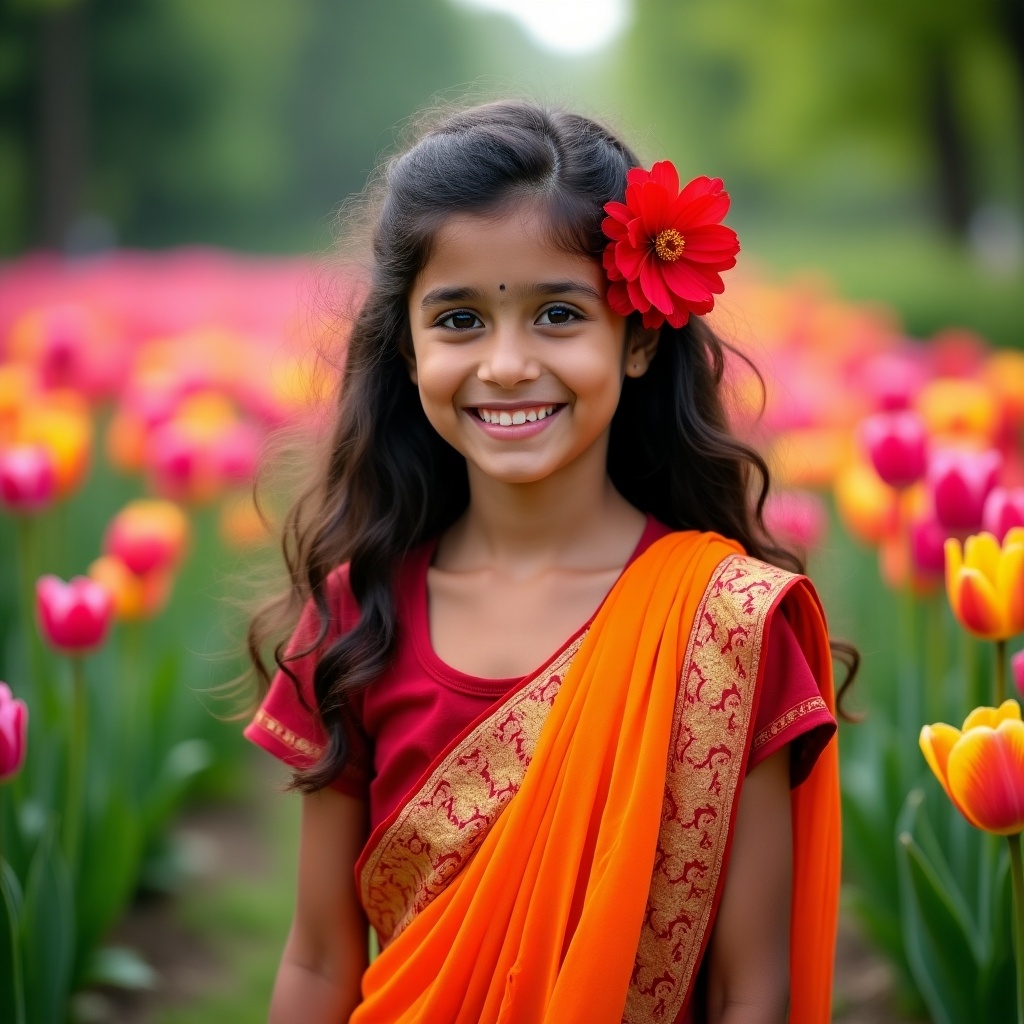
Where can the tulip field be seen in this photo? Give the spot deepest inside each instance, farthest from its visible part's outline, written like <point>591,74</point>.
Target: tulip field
<point>140,396</point>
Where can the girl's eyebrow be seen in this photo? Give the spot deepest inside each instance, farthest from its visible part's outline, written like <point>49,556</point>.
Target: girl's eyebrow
<point>466,294</point>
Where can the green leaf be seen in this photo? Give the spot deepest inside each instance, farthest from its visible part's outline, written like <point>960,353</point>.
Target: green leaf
<point>183,763</point>
<point>48,933</point>
<point>938,939</point>
<point>121,967</point>
<point>11,972</point>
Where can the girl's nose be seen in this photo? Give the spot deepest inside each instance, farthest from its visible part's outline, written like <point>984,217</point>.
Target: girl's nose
<point>508,359</point>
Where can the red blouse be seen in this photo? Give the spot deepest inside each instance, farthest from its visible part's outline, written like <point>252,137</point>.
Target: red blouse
<point>400,723</point>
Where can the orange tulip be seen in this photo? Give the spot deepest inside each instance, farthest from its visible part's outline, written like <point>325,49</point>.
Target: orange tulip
<point>866,504</point>
<point>135,597</point>
<point>981,767</point>
<point>985,584</point>
<point>66,431</point>
<point>960,409</point>
<point>148,534</point>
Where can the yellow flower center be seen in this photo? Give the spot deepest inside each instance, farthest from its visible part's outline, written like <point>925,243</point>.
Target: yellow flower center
<point>669,245</point>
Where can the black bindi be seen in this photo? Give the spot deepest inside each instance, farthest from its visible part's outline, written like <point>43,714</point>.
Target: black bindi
<point>501,287</point>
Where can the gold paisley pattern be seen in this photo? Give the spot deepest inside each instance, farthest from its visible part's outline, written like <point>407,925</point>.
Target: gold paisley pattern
<point>712,719</point>
<point>441,827</point>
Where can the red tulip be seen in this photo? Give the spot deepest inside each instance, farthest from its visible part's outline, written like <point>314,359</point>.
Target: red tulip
<point>1017,664</point>
<point>13,733</point>
<point>895,443</point>
<point>1004,509</point>
<point>928,545</point>
<point>796,517</point>
<point>73,617</point>
<point>960,482</point>
<point>147,535</point>
<point>28,477</point>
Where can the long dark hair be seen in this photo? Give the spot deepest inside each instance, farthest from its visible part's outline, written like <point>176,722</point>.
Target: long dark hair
<point>390,481</point>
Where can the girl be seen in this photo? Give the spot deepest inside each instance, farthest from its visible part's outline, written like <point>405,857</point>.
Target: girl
<point>562,723</point>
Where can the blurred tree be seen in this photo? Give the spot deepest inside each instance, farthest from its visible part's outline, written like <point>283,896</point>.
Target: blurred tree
<point>866,98</point>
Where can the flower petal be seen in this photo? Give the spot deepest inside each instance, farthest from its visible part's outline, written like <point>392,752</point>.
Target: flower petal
<point>686,282</point>
<point>936,741</point>
<point>654,209</point>
<point>665,174</point>
<point>636,295</point>
<point>1010,586</point>
<point>1008,711</point>
<point>618,298</point>
<point>654,286</point>
<point>629,259</point>
<point>705,211</point>
<point>977,606</point>
<point>619,213</point>
<point>982,551</point>
<point>986,777</point>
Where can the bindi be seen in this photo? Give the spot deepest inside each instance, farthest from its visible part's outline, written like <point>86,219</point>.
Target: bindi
<point>501,287</point>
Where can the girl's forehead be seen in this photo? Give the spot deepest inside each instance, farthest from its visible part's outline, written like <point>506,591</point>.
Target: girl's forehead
<point>515,247</point>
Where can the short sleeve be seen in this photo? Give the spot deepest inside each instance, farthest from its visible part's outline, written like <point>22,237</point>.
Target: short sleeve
<point>289,727</point>
<point>790,708</point>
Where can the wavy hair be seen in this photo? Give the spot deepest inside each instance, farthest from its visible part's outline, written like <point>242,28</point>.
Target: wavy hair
<point>390,482</point>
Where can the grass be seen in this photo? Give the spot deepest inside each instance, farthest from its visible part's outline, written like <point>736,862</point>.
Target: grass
<point>243,921</point>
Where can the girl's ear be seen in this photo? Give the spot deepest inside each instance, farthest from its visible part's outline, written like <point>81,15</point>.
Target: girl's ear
<point>641,349</point>
<point>408,357</point>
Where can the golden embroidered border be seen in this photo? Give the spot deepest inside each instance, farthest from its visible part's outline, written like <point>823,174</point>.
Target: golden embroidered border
<point>441,827</point>
<point>286,736</point>
<point>709,729</point>
<point>805,707</point>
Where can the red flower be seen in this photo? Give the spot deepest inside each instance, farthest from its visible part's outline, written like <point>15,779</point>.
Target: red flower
<point>667,247</point>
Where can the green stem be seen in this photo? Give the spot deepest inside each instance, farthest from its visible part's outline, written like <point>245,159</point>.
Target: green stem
<point>28,570</point>
<point>1017,874</point>
<point>1000,672</point>
<point>73,812</point>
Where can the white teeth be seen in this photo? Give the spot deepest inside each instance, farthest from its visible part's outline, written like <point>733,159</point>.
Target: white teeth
<point>520,416</point>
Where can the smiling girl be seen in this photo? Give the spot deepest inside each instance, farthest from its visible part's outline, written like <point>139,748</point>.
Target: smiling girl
<point>560,710</point>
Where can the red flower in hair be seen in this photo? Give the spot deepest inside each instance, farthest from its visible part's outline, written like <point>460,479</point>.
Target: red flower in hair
<point>667,247</point>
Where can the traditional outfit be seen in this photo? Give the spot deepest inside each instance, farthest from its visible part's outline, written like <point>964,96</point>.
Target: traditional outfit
<point>561,854</point>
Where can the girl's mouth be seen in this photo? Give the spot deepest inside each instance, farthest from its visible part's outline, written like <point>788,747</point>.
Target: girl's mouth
<point>515,417</point>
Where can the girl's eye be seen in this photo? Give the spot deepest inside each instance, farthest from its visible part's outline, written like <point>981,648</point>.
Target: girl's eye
<point>460,320</point>
<point>556,315</point>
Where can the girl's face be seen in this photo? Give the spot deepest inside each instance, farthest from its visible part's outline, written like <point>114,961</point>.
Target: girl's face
<point>519,360</point>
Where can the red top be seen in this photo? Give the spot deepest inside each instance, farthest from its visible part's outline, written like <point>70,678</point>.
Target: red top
<point>401,722</point>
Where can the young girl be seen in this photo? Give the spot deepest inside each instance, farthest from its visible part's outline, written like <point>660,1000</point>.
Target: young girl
<point>563,725</point>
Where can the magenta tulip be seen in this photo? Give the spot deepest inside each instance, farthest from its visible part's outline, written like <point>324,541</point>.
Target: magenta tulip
<point>796,517</point>
<point>896,444</point>
<point>1004,509</point>
<point>236,453</point>
<point>1017,664</point>
<point>960,482</point>
<point>73,617</point>
<point>928,546</point>
<point>13,733</point>
<point>28,477</point>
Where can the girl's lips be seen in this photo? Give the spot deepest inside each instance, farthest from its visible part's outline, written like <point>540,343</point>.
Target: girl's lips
<point>515,431</point>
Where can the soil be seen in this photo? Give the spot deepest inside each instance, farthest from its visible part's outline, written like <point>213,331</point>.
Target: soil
<point>226,841</point>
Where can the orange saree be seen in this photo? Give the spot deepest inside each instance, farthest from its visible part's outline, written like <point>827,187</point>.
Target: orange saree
<point>563,860</point>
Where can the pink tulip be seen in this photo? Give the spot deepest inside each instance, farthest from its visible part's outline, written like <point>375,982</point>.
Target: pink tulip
<point>796,517</point>
<point>893,379</point>
<point>73,617</point>
<point>147,535</point>
<point>1004,509</point>
<point>1017,665</point>
<point>896,445</point>
<point>960,482</point>
<point>13,733</point>
<point>28,477</point>
<point>927,546</point>
<point>236,453</point>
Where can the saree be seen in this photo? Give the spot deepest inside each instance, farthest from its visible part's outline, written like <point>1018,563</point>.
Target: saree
<point>564,858</point>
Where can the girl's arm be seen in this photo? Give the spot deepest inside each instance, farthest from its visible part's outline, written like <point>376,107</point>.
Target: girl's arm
<point>748,972</point>
<point>326,951</point>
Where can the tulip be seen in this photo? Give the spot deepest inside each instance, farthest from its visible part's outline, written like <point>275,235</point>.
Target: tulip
<point>960,482</point>
<point>1004,509</point>
<point>28,478</point>
<point>13,733</point>
<point>893,379</point>
<point>865,503</point>
<point>236,453</point>
<point>928,545</point>
<point>135,597</point>
<point>241,524</point>
<point>1017,665</point>
<point>66,431</point>
<point>797,517</point>
<point>959,409</point>
<point>981,767</point>
<point>985,584</point>
<point>895,443</point>
<point>73,617</point>
<point>148,535</point>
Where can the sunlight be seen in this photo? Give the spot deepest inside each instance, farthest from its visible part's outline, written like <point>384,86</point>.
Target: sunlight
<point>566,26</point>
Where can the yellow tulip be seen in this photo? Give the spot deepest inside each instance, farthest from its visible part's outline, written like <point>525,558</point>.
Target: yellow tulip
<point>866,504</point>
<point>985,583</point>
<point>981,767</point>
<point>957,408</point>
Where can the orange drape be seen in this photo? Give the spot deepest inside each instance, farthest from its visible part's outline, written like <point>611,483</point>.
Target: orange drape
<point>543,922</point>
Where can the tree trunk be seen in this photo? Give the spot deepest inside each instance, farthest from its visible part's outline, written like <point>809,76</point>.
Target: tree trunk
<point>63,122</point>
<point>952,158</point>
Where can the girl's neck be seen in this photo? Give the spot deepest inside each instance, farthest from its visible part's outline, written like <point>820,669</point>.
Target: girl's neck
<point>575,519</point>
